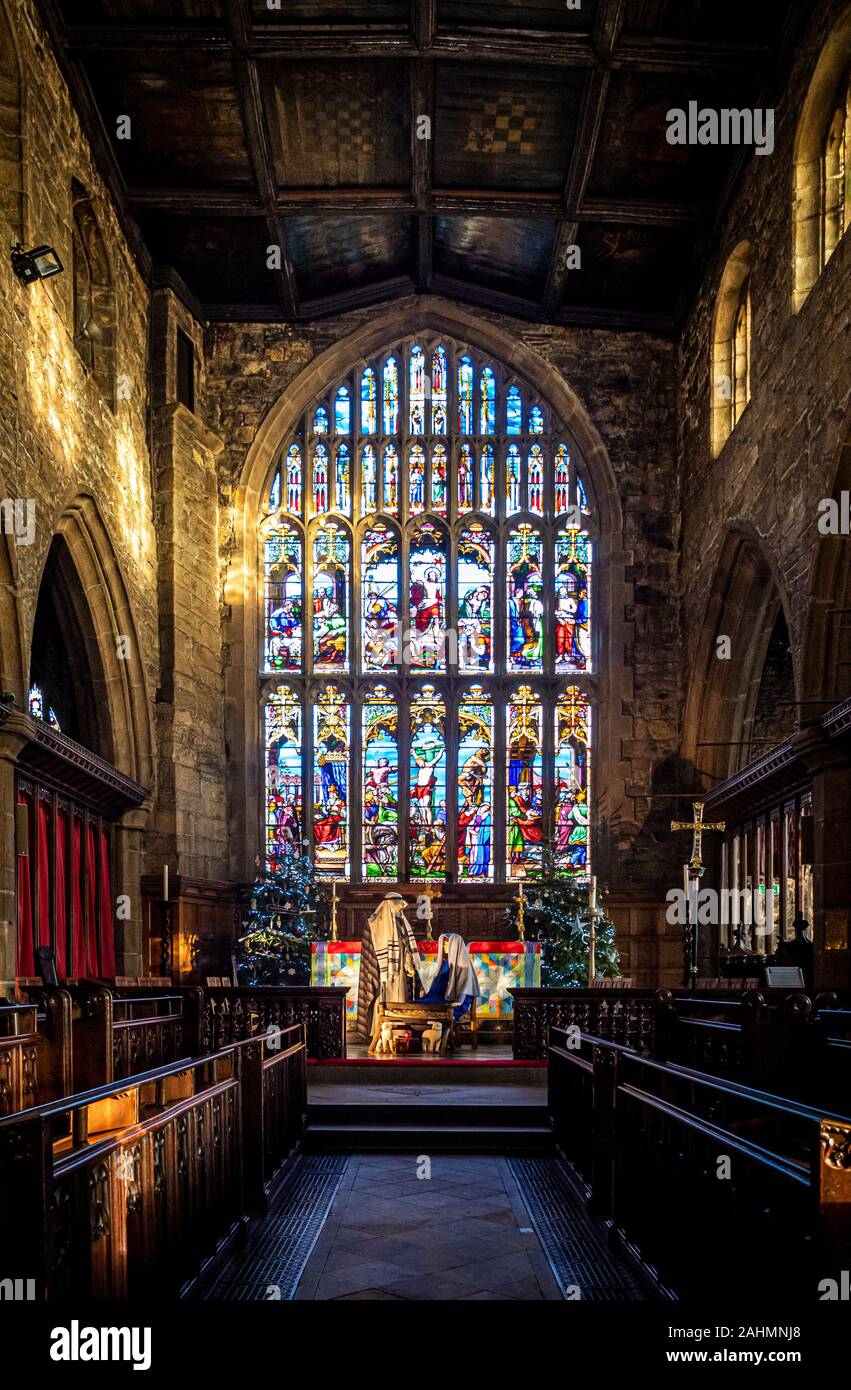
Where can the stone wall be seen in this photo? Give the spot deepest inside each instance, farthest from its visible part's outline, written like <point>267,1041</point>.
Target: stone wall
<point>60,439</point>
<point>784,453</point>
<point>789,450</point>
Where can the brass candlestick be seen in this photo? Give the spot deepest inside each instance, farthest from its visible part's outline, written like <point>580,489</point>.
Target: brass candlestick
<point>520,899</point>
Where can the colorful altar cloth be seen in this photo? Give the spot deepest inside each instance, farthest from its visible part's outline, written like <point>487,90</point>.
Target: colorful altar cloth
<point>500,966</point>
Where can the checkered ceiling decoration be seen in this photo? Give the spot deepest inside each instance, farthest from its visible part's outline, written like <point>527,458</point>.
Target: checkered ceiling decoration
<point>455,146</point>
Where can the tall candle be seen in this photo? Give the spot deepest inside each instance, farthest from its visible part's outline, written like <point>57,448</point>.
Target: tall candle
<point>687,887</point>
<point>165,883</point>
<point>592,930</point>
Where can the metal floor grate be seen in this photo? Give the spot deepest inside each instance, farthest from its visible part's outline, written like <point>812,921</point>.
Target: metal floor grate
<point>578,1255</point>
<point>280,1245</point>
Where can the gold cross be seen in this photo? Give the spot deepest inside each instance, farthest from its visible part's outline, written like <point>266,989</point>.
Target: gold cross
<point>697,827</point>
<point>430,891</point>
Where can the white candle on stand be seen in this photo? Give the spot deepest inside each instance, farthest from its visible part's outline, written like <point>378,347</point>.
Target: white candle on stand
<point>165,883</point>
<point>592,929</point>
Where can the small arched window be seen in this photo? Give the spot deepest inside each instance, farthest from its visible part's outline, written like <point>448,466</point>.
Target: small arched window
<point>94,299</point>
<point>731,346</point>
<point>822,186</point>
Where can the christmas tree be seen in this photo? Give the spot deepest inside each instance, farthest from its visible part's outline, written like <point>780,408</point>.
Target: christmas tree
<point>284,913</point>
<point>557,915</point>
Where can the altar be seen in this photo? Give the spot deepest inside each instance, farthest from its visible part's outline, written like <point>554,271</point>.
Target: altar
<point>500,966</point>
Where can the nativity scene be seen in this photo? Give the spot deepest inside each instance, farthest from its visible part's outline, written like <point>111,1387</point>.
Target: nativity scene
<point>425,670</point>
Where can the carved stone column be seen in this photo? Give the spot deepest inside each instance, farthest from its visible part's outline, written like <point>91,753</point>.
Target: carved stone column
<point>129,934</point>
<point>14,735</point>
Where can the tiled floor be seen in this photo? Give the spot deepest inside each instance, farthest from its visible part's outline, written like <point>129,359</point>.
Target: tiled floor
<point>462,1233</point>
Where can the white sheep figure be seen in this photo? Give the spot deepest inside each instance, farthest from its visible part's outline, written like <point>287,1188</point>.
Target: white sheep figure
<point>432,1036</point>
<point>386,1041</point>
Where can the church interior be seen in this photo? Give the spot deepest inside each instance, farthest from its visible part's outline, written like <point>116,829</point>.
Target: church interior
<point>425,654</point>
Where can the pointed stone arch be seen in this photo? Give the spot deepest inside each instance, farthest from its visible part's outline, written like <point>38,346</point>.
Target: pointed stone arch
<point>826,665</point>
<point>242,631</point>
<point>746,604</point>
<point>93,586</point>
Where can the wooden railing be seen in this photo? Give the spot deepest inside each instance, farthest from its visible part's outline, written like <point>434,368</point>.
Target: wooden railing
<point>118,1033</point>
<point>127,1189</point>
<point>720,1188</point>
<point>624,1015</point>
<point>232,1014</point>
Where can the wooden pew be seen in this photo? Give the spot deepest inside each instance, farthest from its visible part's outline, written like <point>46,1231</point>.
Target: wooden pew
<point>232,1013</point>
<point>35,1049</point>
<point>646,1138</point>
<point>127,1189</point>
<point>119,1032</point>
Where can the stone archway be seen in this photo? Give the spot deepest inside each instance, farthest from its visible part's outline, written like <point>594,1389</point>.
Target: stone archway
<point>95,585</point>
<point>744,601</point>
<point>826,665</point>
<point>242,631</point>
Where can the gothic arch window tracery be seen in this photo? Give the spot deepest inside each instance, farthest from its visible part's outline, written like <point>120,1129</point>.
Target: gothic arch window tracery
<point>427,673</point>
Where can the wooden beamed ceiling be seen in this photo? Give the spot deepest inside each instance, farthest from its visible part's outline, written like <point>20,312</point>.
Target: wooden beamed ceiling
<point>301,127</point>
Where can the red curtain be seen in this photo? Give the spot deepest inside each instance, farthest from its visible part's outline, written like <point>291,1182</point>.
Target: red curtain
<point>26,957</point>
<point>43,872</point>
<point>91,905</point>
<point>78,966</point>
<point>60,944</point>
<point>107,933</point>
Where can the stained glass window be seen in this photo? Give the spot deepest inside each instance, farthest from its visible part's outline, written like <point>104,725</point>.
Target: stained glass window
<point>331,748</point>
<point>417,392</point>
<point>369,480</point>
<point>320,478</point>
<point>572,739</point>
<point>573,602</point>
<point>512,479</point>
<point>465,478</point>
<point>380,598</point>
<point>439,410</point>
<point>427,564</point>
<point>368,418</point>
<point>433,555</point>
<point>487,486</point>
<point>343,412</point>
<point>465,396</point>
<point>390,396</point>
<point>562,479</point>
<point>330,599</point>
<point>525,600</point>
<point>284,750</point>
<point>427,823</point>
<point>390,478</point>
<point>293,466</point>
<point>475,599</point>
<point>439,479</point>
<point>536,479</point>
<point>342,479</point>
<point>417,478</point>
<point>282,557</point>
<point>524,783</point>
<point>36,702</point>
<point>513,411</point>
<point>475,786</point>
<point>380,742</point>
<point>487,401</point>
